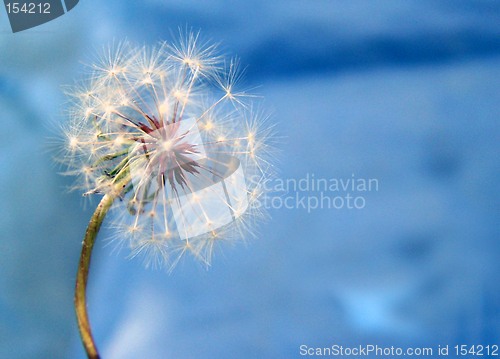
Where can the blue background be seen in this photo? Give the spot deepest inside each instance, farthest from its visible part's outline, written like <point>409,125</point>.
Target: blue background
<point>407,92</point>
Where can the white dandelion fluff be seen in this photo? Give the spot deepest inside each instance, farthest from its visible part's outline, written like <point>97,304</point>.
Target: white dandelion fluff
<point>163,130</point>
<point>181,156</point>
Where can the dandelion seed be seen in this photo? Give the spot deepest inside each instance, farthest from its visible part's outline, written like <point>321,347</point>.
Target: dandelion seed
<point>149,120</point>
<point>180,162</point>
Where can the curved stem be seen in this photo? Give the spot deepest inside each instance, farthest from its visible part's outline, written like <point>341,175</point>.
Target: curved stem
<point>83,270</point>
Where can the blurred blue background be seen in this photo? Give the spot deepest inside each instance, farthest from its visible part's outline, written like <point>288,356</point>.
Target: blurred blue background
<point>404,91</point>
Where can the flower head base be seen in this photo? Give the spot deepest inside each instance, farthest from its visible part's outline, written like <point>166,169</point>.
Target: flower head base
<point>188,163</point>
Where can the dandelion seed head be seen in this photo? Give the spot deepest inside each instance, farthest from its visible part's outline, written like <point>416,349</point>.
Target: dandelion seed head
<point>169,123</point>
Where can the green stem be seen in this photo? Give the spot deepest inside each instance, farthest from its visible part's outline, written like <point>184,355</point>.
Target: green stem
<point>83,269</point>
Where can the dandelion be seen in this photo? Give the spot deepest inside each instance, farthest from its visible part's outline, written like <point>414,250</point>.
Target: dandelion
<point>177,153</point>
